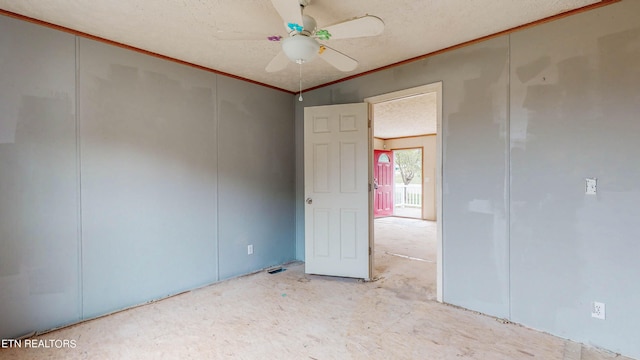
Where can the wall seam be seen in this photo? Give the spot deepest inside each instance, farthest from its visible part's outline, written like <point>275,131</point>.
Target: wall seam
<point>508,174</point>
<point>440,129</point>
<point>217,127</point>
<point>296,186</point>
<point>79,181</point>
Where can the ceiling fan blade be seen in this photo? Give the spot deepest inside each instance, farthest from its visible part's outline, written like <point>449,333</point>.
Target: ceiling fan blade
<point>278,63</point>
<point>367,25</point>
<point>290,11</point>
<point>337,59</point>
<point>237,35</point>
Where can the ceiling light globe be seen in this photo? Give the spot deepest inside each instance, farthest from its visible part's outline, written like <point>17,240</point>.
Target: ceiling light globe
<point>300,49</point>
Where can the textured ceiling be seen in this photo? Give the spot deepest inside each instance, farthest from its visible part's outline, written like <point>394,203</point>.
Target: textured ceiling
<point>229,35</point>
<point>410,116</point>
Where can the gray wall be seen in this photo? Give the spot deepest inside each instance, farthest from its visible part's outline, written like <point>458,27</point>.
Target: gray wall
<point>125,178</point>
<point>256,177</point>
<point>526,118</point>
<point>575,103</point>
<point>149,183</point>
<point>39,235</point>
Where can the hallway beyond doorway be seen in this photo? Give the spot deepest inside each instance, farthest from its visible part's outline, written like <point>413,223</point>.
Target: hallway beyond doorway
<point>407,212</point>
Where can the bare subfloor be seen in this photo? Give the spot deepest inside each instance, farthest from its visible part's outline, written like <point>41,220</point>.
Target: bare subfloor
<point>291,315</point>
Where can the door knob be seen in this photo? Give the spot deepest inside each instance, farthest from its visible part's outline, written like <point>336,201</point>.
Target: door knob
<point>309,201</point>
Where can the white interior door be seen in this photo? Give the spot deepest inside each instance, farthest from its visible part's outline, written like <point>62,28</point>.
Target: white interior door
<point>336,185</point>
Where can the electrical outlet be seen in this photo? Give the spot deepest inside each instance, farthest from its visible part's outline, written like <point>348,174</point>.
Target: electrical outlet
<point>249,249</point>
<point>591,186</point>
<point>598,310</point>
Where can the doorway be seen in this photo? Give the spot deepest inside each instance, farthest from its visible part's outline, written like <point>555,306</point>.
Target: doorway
<point>407,120</point>
<point>408,189</point>
<point>383,183</point>
<point>397,183</point>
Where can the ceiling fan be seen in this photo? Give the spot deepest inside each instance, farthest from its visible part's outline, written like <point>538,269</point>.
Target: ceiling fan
<point>303,43</point>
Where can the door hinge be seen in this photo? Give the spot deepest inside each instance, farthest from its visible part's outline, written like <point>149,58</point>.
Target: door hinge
<point>369,250</point>
<point>369,124</point>
<point>369,187</point>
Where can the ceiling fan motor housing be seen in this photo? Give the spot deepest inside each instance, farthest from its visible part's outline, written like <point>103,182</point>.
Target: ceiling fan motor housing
<point>309,25</point>
<point>304,3</point>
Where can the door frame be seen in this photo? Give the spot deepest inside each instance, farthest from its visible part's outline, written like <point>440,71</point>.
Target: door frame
<point>419,90</point>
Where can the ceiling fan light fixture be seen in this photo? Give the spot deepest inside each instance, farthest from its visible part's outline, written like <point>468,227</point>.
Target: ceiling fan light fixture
<point>300,49</point>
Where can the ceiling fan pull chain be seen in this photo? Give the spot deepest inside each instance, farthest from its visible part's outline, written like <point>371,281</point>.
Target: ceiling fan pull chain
<point>300,98</point>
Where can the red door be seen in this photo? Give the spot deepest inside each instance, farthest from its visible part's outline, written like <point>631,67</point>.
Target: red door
<point>383,183</point>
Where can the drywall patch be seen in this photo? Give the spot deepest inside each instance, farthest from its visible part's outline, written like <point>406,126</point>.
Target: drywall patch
<point>518,132</point>
<point>480,206</point>
<point>532,69</point>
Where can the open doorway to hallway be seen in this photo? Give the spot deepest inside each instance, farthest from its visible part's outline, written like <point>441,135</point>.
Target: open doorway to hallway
<point>405,251</point>
<point>406,241</point>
